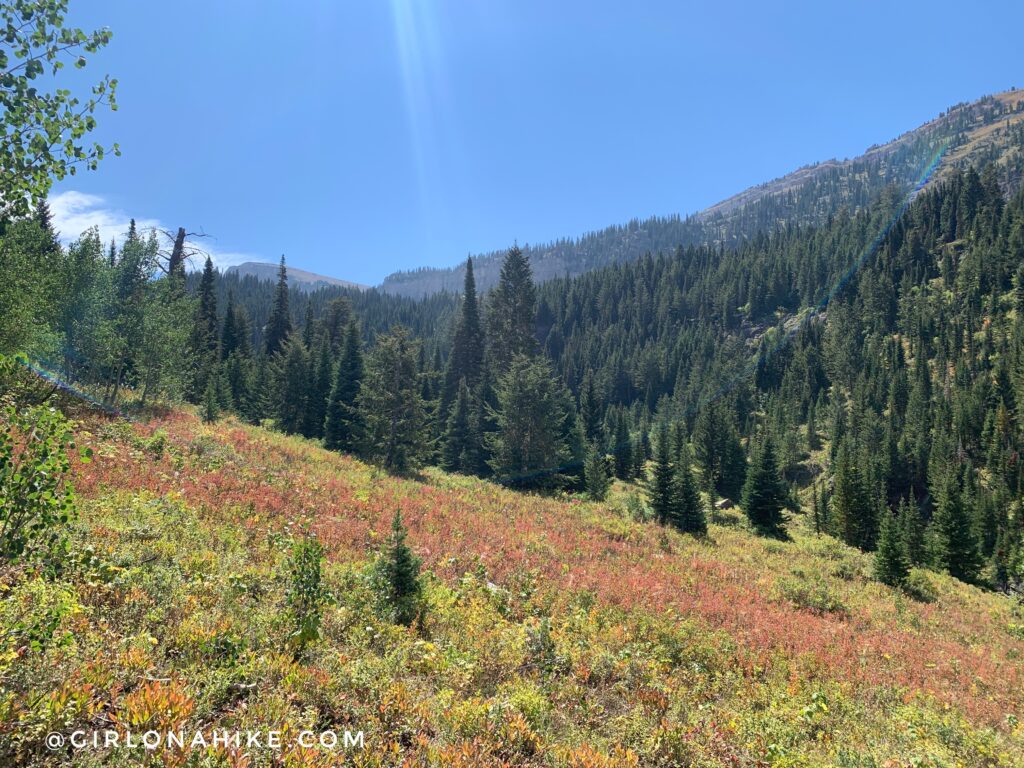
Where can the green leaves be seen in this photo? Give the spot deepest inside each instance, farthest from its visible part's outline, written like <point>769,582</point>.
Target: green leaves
<point>41,132</point>
<point>306,592</point>
<point>36,503</point>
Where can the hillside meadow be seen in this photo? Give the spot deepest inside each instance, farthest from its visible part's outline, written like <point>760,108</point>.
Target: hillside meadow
<point>556,632</point>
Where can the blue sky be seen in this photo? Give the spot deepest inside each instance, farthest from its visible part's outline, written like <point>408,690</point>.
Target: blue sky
<point>359,137</point>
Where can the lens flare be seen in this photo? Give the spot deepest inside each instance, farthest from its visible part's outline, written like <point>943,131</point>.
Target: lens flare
<point>53,376</point>
<point>925,175</point>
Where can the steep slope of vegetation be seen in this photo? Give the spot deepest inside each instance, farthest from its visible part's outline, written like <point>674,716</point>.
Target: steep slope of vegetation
<point>892,338</point>
<point>557,633</point>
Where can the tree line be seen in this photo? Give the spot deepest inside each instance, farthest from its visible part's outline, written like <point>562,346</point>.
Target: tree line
<point>874,383</point>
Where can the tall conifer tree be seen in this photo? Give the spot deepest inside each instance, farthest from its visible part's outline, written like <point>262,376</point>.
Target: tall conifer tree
<point>957,544</point>
<point>661,485</point>
<point>458,435</point>
<point>512,313</point>
<point>686,511</point>
<point>530,445</point>
<point>622,447</point>
<point>591,411</point>
<point>764,494</point>
<point>392,410</point>
<point>891,562</point>
<point>343,421</point>
<point>853,508</point>
<point>205,332</point>
<point>595,472</point>
<point>279,327</point>
<point>292,386</point>
<point>321,378</point>
<point>466,359</point>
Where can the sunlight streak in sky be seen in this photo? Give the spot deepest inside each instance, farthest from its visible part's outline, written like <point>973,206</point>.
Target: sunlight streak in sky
<point>427,92</point>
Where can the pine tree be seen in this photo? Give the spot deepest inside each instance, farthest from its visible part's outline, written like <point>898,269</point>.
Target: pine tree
<point>392,410</point>
<point>258,403</point>
<point>706,446</point>
<point>891,562</point>
<point>622,448</point>
<point>512,312</point>
<point>719,452</point>
<point>852,505</point>
<point>466,359</point>
<point>575,472</point>
<point>279,327</point>
<point>591,411</point>
<point>320,385</point>
<point>237,372</point>
<point>236,332</point>
<point>43,217</point>
<point>343,422</point>
<point>918,423</point>
<point>176,259</point>
<point>291,386</point>
<point>957,545</point>
<point>912,533</point>
<point>205,333</point>
<point>686,511</point>
<point>639,454</point>
<point>458,436</point>
<point>1003,558</point>
<point>530,447</point>
<point>595,472</point>
<point>813,443</point>
<point>308,327</point>
<point>764,494</point>
<point>229,335</point>
<point>987,522</point>
<point>211,408</point>
<point>206,316</point>
<point>661,486</point>
<point>734,462</point>
<point>336,321</point>
<point>483,424</point>
<point>396,578</point>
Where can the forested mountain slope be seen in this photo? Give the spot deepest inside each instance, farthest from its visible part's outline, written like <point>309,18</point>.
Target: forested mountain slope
<point>882,354</point>
<point>973,133</point>
<point>559,630</point>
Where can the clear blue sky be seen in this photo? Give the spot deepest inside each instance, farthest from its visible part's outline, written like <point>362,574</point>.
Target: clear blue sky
<point>363,136</point>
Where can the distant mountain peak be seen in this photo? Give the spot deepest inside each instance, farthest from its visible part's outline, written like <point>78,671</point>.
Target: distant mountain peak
<point>297,278</point>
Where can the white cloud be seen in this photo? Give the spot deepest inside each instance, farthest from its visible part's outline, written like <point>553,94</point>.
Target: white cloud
<point>74,212</point>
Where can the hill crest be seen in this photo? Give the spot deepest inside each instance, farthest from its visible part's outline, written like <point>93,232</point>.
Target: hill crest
<point>297,278</point>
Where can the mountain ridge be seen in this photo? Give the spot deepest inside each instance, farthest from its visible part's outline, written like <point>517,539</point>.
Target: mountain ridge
<point>808,195</point>
<point>298,278</point>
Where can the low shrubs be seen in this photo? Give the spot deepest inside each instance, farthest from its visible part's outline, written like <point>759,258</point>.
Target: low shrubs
<point>920,586</point>
<point>306,592</point>
<point>811,594</point>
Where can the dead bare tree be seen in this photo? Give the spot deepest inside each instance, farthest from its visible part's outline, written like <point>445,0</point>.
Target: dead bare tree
<point>178,250</point>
